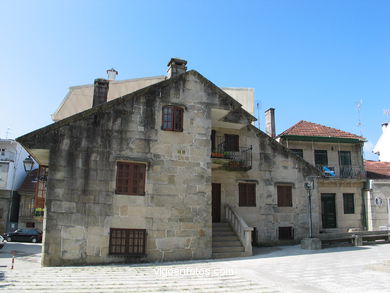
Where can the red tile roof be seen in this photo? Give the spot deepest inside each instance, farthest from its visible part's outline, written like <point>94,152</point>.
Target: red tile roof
<point>377,170</point>
<point>305,128</point>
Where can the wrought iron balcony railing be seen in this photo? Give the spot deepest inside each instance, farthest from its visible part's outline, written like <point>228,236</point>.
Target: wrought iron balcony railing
<point>233,160</point>
<point>352,172</point>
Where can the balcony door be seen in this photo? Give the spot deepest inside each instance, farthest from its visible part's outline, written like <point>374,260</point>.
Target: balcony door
<point>345,164</point>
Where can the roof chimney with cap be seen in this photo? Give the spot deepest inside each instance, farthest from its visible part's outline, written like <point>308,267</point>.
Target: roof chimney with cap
<point>100,91</point>
<point>112,73</point>
<point>176,66</point>
<point>270,122</point>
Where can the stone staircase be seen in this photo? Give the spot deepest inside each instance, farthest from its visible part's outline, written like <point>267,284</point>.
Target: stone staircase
<point>226,244</point>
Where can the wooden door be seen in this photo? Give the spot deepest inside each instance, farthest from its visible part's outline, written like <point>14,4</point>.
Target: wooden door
<point>216,202</point>
<point>328,207</point>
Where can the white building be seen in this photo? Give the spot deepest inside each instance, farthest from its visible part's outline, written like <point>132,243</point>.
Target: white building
<point>12,175</point>
<point>382,147</point>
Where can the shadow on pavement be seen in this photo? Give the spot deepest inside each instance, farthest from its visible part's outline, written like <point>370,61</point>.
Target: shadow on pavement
<point>21,249</point>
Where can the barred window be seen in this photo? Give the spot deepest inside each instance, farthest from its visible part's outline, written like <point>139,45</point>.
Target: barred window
<point>127,241</point>
<point>286,233</point>
<point>172,118</point>
<point>130,178</point>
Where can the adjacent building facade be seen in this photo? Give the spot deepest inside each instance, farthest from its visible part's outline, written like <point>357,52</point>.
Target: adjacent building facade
<point>378,195</point>
<point>143,177</point>
<point>338,154</point>
<point>12,174</point>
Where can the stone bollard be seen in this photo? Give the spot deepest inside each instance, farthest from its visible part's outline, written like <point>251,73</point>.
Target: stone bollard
<point>357,240</point>
<point>311,243</point>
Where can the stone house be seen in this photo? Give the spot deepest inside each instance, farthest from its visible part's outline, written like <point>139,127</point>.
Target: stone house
<point>150,176</point>
<point>338,154</point>
<point>378,195</point>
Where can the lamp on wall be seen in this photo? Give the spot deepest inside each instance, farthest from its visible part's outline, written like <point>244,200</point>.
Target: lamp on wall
<point>28,164</point>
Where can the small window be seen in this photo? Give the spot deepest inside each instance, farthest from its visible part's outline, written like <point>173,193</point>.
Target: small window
<point>232,143</point>
<point>130,178</point>
<point>247,194</point>
<point>284,193</point>
<point>321,158</point>
<point>349,203</point>
<point>127,241</point>
<point>2,152</point>
<point>172,118</point>
<point>286,233</point>
<point>298,152</point>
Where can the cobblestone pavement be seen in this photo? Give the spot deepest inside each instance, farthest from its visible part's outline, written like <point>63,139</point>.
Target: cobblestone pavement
<point>277,269</point>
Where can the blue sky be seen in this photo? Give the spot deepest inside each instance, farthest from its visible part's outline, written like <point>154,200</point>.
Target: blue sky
<point>311,60</point>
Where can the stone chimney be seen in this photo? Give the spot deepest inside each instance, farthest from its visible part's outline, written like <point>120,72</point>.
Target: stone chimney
<point>270,122</point>
<point>176,66</point>
<point>112,73</point>
<point>100,91</point>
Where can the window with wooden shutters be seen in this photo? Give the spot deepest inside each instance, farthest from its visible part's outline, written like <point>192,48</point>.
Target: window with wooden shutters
<point>247,194</point>
<point>232,143</point>
<point>172,118</point>
<point>286,233</point>
<point>284,195</point>
<point>127,241</point>
<point>349,203</point>
<point>130,178</point>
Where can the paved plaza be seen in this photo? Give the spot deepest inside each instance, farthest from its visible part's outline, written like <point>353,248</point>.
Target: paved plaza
<point>276,269</point>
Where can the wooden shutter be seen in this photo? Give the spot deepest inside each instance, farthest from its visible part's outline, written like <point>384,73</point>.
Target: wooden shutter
<point>284,194</point>
<point>247,194</point>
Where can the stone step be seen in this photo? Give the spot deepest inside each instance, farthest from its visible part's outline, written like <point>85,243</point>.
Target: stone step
<point>227,254</point>
<point>221,224</point>
<point>225,237</point>
<point>222,228</point>
<point>231,243</point>
<point>228,249</point>
<point>224,233</point>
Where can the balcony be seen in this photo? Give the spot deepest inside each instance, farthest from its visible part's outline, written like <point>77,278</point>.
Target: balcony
<point>341,172</point>
<point>239,160</point>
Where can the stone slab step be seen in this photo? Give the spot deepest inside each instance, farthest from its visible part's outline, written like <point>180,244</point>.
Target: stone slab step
<point>228,249</point>
<point>224,237</point>
<point>221,224</point>
<point>231,243</point>
<point>227,254</point>
<point>223,233</point>
<point>220,229</point>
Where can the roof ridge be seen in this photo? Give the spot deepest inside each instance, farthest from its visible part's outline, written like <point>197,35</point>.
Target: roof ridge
<point>307,128</point>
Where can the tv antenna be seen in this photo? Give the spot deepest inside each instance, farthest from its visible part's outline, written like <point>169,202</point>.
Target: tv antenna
<point>387,112</point>
<point>7,132</point>
<point>258,106</point>
<point>358,108</point>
